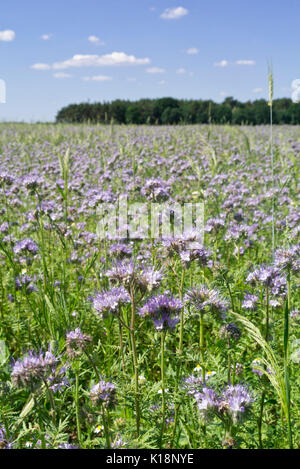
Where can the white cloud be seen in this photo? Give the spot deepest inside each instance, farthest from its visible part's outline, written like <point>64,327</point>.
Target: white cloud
<point>7,35</point>
<point>222,63</point>
<point>181,71</point>
<point>245,62</point>
<point>97,78</point>
<point>295,84</point>
<point>162,82</point>
<point>192,51</point>
<point>223,93</point>
<point>41,66</point>
<point>61,75</point>
<point>296,90</point>
<point>257,90</point>
<point>155,70</point>
<point>46,37</point>
<point>95,40</point>
<point>174,13</point>
<point>131,79</point>
<point>115,58</point>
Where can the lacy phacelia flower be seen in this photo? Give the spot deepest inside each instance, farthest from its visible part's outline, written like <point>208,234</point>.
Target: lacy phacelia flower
<point>207,402</point>
<point>264,275</point>
<point>76,341</point>
<point>139,277</point>
<point>26,245</point>
<point>36,368</point>
<point>194,383</point>
<point>120,250</point>
<point>288,259</point>
<point>250,301</point>
<point>156,190</point>
<point>109,301</point>
<point>235,401</point>
<point>103,393</point>
<point>24,282</point>
<point>188,246</point>
<point>163,310</point>
<point>233,404</point>
<point>119,443</point>
<point>204,299</point>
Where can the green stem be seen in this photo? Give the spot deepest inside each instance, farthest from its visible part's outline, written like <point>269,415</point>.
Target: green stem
<point>135,363</point>
<point>162,369</point>
<point>77,406</point>
<point>286,360</point>
<point>106,430</point>
<point>202,348</point>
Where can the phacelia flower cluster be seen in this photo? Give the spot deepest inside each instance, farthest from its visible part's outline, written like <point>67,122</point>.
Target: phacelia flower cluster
<point>37,368</point>
<point>163,310</point>
<point>103,393</point>
<point>76,342</point>
<point>110,301</point>
<point>204,299</point>
<point>233,404</point>
<point>139,277</point>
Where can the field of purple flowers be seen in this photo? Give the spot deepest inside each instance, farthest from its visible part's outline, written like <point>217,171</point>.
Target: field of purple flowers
<point>117,342</point>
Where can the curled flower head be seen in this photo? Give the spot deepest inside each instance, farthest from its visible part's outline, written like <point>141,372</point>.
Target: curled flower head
<point>207,402</point>
<point>156,190</point>
<point>139,277</point>
<point>76,341</point>
<point>163,310</point>
<point>103,393</point>
<point>120,250</point>
<point>263,275</point>
<point>109,301</point>
<point>26,245</point>
<point>203,299</point>
<point>250,301</point>
<point>235,401</point>
<point>288,259</point>
<point>25,283</point>
<point>36,368</point>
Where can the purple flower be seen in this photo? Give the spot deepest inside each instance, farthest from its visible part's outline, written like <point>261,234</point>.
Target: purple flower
<point>288,259</point>
<point>236,401</point>
<point>6,178</point>
<point>109,301</point>
<point>163,310</point>
<point>103,393</point>
<point>156,190</point>
<point>36,368</point>
<point>4,442</point>
<point>250,301</point>
<point>230,331</point>
<point>25,282</point>
<point>26,245</point>
<point>207,402</point>
<point>203,299</point>
<point>263,275</point>
<point>76,341</point>
<point>131,276</point>
<point>120,250</point>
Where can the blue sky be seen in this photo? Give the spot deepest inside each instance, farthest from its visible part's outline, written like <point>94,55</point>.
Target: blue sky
<point>54,53</point>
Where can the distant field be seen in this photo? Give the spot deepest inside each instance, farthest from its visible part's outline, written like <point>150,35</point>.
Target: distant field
<point>111,336</point>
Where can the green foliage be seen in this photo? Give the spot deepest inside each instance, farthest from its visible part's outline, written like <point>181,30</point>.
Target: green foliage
<point>173,111</point>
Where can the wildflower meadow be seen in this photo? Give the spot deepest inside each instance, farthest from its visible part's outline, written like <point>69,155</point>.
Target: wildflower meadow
<point>173,324</point>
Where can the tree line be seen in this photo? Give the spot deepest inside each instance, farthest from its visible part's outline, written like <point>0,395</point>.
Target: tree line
<point>170,111</point>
